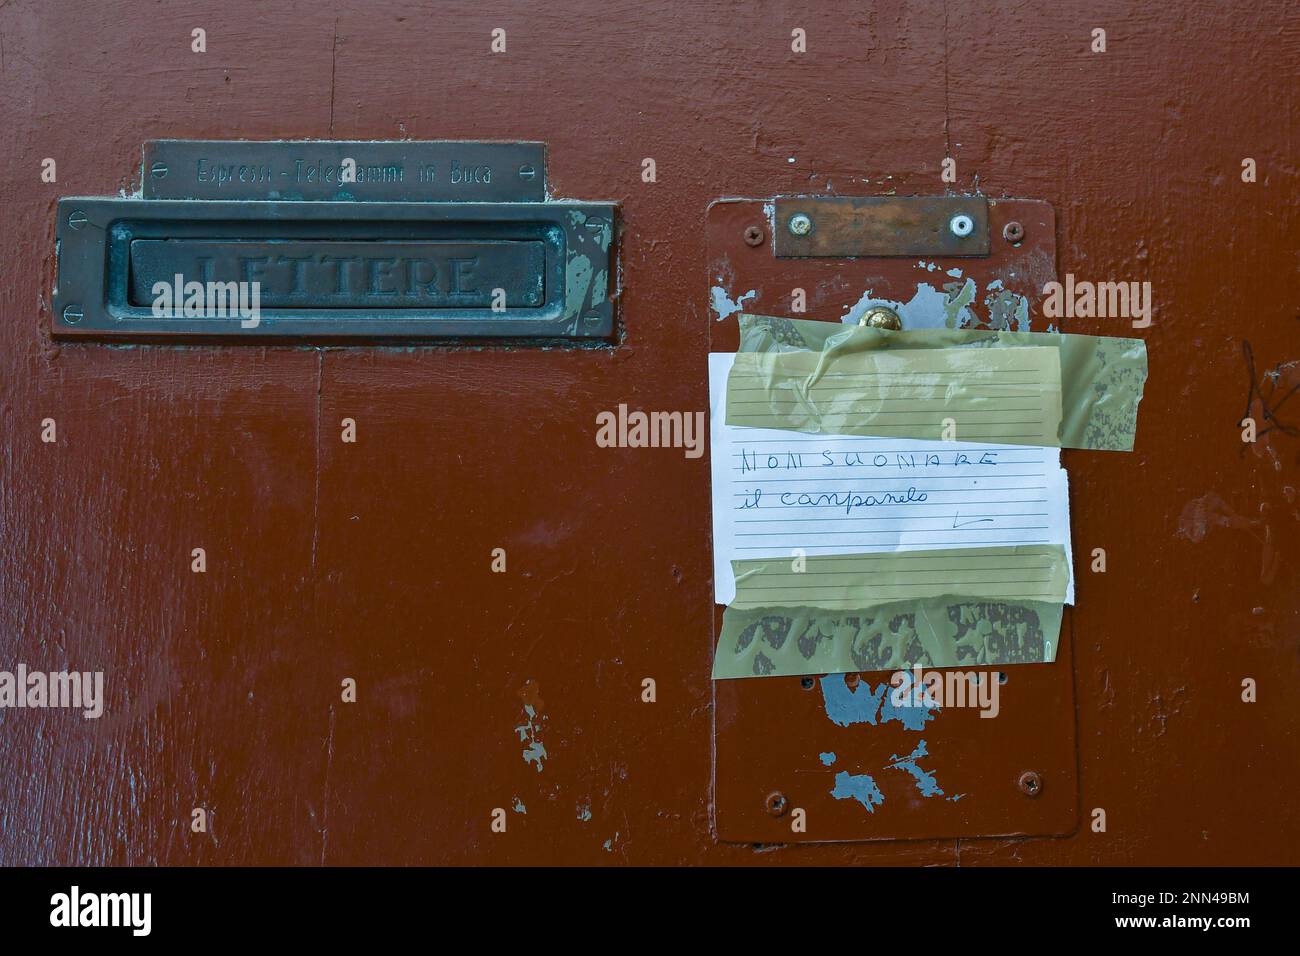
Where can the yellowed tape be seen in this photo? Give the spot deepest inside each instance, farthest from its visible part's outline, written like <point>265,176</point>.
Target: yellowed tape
<point>1008,396</point>
<point>827,614</point>
<point>1101,377</point>
<point>1037,572</point>
<point>937,632</point>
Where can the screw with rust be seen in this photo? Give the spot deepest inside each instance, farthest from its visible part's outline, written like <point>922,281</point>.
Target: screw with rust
<point>881,317</point>
<point>1030,783</point>
<point>800,224</point>
<point>1013,231</point>
<point>851,681</point>
<point>776,803</point>
<point>754,235</point>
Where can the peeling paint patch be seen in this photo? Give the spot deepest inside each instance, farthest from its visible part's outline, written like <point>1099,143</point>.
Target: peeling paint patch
<point>722,304</point>
<point>913,717</point>
<point>608,845</point>
<point>929,308</point>
<point>956,307</point>
<point>845,707</point>
<point>577,282</point>
<point>519,807</point>
<point>827,758</point>
<point>868,301</point>
<point>925,781</point>
<point>584,811</point>
<point>865,705</point>
<point>860,787</point>
<point>1008,311</point>
<point>530,731</point>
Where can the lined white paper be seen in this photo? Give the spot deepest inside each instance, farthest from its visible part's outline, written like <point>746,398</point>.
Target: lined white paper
<point>779,493</point>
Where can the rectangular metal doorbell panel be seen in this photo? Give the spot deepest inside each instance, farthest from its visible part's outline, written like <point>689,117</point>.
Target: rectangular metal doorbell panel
<point>833,746</point>
<point>324,269</point>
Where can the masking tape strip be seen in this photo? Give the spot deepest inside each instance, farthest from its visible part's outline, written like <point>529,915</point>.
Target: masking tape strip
<point>936,632</point>
<point>1005,396</point>
<point>1102,377</point>
<point>854,582</point>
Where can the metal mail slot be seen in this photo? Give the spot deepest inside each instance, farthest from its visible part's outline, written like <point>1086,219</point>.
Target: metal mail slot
<point>327,274</point>
<point>339,270</point>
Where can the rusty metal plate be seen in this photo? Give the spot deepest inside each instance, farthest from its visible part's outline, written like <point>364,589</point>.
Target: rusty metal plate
<point>882,226</point>
<point>843,755</point>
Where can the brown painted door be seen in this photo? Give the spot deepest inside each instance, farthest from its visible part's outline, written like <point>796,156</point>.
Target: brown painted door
<point>522,690</point>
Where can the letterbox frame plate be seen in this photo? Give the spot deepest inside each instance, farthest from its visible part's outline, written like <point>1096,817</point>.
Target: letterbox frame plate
<point>94,235</point>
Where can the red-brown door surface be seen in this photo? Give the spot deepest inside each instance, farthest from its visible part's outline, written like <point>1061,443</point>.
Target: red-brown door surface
<point>496,585</point>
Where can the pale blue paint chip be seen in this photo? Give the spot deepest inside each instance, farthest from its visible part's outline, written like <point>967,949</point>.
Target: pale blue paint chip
<point>913,716</point>
<point>827,759</point>
<point>723,303</point>
<point>860,787</point>
<point>867,705</point>
<point>845,707</point>
<point>925,781</point>
<point>535,752</point>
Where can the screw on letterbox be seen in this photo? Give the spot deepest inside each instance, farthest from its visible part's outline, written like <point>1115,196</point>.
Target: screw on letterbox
<point>158,170</point>
<point>1013,231</point>
<point>961,225</point>
<point>800,225</point>
<point>1031,784</point>
<point>527,172</point>
<point>77,219</point>
<point>72,314</point>
<point>806,683</point>
<point>851,680</point>
<point>881,317</point>
<point>754,235</point>
<point>775,803</point>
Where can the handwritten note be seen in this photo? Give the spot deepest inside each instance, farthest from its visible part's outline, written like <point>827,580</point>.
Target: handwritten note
<point>781,493</point>
<point>1007,395</point>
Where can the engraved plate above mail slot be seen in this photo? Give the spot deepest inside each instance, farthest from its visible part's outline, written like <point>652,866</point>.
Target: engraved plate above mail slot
<point>344,170</point>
